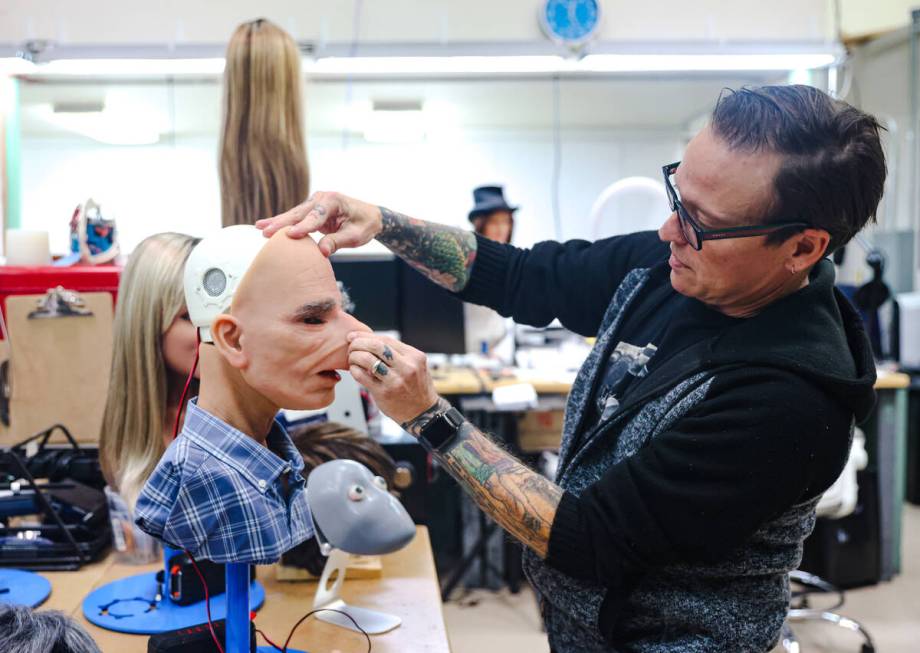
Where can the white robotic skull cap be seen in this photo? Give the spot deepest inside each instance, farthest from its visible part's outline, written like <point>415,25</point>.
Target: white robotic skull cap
<point>214,270</point>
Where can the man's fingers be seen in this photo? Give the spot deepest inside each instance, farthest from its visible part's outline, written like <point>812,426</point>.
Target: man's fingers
<point>327,245</point>
<point>362,376</point>
<point>270,226</point>
<point>363,359</point>
<point>374,345</point>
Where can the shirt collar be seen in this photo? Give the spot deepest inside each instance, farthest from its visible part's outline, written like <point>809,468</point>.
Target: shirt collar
<point>240,451</point>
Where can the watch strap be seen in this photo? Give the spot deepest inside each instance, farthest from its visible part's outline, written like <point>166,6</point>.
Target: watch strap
<point>441,431</point>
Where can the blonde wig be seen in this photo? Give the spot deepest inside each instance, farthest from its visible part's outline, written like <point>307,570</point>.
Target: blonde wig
<point>150,296</point>
<point>263,157</point>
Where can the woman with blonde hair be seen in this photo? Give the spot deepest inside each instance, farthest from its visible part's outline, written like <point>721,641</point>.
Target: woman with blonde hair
<point>263,157</point>
<point>154,351</point>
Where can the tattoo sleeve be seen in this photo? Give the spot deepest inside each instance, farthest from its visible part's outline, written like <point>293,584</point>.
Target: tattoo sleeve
<point>522,501</point>
<point>443,254</point>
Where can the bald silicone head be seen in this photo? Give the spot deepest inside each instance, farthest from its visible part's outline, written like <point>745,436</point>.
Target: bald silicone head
<point>286,327</point>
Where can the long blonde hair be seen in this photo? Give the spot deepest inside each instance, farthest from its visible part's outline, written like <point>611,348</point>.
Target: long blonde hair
<point>150,296</point>
<point>263,156</point>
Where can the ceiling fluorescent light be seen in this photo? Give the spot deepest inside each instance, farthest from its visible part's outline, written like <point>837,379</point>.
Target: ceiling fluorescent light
<point>490,65</point>
<point>395,121</point>
<point>384,66</point>
<point>15,66</point>
<point>537,64</point>
<point>127,67</point>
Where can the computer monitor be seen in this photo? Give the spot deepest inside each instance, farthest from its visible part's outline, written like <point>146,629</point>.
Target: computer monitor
<point>372,284</point>
<point>389,295</point>
<point>430,318</point>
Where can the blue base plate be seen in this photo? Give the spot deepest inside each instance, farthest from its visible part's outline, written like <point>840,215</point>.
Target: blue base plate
<point>129,606</point>
<point>19,587</point>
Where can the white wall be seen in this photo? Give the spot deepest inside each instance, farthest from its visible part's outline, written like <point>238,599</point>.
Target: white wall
<point>165,187</point>
<point>119,22</point>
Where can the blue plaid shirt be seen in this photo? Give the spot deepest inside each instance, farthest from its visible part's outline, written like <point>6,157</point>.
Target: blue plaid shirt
<point>219,494</point>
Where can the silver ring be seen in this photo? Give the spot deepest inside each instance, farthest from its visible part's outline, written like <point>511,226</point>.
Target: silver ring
<point>380,369</point>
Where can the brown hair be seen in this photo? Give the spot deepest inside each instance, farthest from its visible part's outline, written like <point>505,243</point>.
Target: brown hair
<point>833,171</point>
<point>263,157</point>
<point>320,443</point>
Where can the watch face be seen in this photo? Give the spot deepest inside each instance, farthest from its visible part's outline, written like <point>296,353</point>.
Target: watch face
<point>570,21</point>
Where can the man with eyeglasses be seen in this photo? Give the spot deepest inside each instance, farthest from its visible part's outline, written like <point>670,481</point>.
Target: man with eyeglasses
<point>717,404</point>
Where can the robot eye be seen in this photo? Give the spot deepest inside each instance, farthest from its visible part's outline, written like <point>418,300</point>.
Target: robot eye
<point>379,482</point>
<point>356,493</point>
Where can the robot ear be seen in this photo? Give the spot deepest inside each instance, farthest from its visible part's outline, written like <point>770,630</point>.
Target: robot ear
<point>227,335</point>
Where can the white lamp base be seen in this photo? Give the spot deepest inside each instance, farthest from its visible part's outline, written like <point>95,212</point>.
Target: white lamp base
<point>372,622</point>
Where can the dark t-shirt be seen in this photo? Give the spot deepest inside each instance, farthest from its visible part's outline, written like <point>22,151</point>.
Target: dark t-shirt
<point>665,324</point>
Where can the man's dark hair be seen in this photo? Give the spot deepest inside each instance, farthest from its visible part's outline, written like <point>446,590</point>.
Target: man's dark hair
<point>833,170</point>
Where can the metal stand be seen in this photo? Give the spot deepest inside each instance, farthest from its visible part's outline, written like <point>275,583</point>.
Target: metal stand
<point>237,640</point>
<point>371,621</point>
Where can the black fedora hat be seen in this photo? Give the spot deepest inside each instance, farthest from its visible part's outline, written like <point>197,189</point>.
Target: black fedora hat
<point>488,199</point>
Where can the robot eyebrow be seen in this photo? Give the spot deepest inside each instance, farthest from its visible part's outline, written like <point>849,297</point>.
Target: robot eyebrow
<point>315,309</point>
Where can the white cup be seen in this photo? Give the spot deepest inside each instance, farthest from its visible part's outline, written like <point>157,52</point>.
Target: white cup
<point>27,247</point>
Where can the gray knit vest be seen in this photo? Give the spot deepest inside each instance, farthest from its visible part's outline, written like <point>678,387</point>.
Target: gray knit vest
<point>735,605</point>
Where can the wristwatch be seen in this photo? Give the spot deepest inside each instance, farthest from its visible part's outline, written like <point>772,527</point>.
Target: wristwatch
<point>441,431</point>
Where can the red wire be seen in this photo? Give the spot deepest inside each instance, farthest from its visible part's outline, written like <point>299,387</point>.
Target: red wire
<point>188,383</point>
<point>207,600</point>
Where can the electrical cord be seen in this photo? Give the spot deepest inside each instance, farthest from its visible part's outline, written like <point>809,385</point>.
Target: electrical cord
<point>287,642</point>
<point>207,598</point>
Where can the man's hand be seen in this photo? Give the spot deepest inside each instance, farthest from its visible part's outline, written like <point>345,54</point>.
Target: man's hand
<point>394,373</point>
<point>346,222</point>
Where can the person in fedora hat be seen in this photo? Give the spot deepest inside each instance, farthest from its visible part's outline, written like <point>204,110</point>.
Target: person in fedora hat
<point>485,331</point>
<point>492,216</point>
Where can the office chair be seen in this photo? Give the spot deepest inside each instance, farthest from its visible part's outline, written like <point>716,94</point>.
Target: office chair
<point>838,501</point>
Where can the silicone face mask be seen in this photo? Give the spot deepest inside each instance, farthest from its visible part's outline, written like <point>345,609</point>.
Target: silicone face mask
<point>281,295</point>
<point>353,510</point>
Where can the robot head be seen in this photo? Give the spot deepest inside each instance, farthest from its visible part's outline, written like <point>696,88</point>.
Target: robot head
<point>214,271</point>
<point>353,510</point>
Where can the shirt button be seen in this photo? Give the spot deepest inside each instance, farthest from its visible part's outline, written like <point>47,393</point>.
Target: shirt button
<point>262,484</point>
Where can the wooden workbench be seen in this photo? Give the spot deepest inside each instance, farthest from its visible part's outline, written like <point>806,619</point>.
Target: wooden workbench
<point>468,381</point>
<point>408,588</point>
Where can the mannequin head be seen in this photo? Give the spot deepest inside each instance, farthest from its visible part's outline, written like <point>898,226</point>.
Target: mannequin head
<point>285,332</point>
<point>278,330</point>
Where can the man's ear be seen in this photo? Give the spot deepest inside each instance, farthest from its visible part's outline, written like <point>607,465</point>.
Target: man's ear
<point>807,248</point>
<point>227,333</point>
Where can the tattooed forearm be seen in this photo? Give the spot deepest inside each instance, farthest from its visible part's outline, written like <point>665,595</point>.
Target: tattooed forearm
<point>522,501</point>
<point>443,254</point>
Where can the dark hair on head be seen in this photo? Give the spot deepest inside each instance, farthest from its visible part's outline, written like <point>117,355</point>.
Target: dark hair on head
<point>320,443</point>
<point>833,171</point>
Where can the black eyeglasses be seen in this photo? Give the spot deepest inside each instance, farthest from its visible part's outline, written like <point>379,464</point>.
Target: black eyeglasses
<point>695,234</point>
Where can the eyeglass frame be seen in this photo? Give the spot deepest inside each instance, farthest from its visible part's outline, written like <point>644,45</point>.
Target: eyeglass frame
<point>686,220</point>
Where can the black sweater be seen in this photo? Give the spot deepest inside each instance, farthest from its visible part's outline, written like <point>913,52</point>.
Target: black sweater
<point>772,431</point>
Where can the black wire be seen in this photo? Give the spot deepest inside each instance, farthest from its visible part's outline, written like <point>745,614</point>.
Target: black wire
<point>312,612</point>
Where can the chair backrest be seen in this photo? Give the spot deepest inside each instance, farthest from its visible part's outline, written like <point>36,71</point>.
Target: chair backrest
<point>840,498</point>
<point>629,205</point>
